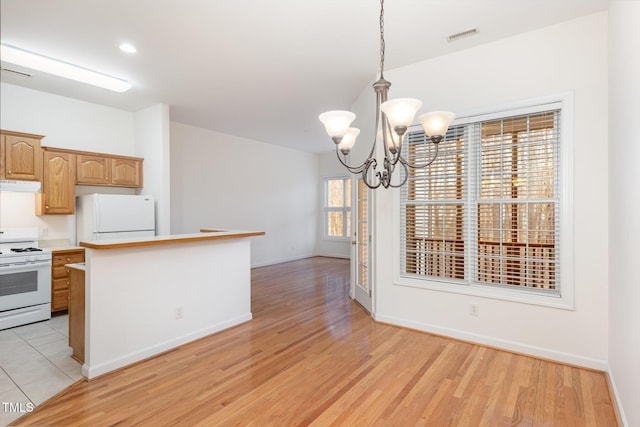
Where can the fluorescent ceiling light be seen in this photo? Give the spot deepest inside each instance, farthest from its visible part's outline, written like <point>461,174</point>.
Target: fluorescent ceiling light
<point>48,65</point>
<point>129,48</point>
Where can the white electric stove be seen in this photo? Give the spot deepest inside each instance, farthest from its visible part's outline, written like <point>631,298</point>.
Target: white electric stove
<point>25,278</point>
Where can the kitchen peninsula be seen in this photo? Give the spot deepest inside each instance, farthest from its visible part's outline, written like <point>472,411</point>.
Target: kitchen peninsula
<point>147,295</point>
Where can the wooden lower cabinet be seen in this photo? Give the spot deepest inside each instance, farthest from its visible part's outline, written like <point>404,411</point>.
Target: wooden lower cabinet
<point>76,314</point>
<point>60,277</point>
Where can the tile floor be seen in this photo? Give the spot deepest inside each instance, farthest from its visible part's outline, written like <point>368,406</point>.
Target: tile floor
<point>35,364</point>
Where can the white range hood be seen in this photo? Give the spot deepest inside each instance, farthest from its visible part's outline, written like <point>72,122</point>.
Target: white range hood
<point>20,186</point>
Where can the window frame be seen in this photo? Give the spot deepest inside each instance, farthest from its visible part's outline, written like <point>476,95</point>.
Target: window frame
<point>563,102</point>
<point>345,209</point>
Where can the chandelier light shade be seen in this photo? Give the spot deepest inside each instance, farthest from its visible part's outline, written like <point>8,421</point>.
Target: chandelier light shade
<point>393,118</point>
<point>348,140</point>
<point>337,123</point>
<point>436,123</point>
<point>400,113</point>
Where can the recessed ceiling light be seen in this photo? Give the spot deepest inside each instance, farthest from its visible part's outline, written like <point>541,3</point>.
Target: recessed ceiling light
<point>48,65</point>
<point>129,48</point>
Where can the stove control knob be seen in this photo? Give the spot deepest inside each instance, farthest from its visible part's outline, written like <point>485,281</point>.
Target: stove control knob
<point>31,258</point>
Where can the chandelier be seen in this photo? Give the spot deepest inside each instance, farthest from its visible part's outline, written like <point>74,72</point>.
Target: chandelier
<point>392,120</point>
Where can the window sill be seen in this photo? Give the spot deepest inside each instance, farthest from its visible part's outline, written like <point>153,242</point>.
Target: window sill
<point>512,295</point>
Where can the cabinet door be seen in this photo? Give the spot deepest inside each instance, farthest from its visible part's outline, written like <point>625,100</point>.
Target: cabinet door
<point>21,157</point>
<point>58,193</point>
<point>93,170</point>
<point>76,314</point>
<point>126,173</point>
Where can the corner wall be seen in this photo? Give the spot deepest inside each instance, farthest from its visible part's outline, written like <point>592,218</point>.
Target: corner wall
<point>153,143</point>
<point>624,206</point>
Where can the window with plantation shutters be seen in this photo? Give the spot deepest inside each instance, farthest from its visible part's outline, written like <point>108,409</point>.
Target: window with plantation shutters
<point>487,211</point>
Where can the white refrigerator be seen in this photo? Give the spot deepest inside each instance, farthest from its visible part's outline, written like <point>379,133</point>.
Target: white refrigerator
<point>114,216</point>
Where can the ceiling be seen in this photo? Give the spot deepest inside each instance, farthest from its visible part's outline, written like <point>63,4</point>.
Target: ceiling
<point>258,69</point>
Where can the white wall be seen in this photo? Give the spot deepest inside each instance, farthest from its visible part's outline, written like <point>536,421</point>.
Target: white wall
<point>153,144</point>
<point>571,56</point>
<point>223,181</point>
<point>329,167</point>
<point>624,205</point>
<point>65,122</point>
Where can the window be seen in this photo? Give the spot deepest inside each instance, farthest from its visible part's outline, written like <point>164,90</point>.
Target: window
<point>487,213</point>
<point>337,208</point>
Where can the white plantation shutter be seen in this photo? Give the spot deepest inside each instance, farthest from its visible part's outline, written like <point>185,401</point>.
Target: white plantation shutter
<point>518,201</point>
<point>487,212</point>
<point>433,215</point>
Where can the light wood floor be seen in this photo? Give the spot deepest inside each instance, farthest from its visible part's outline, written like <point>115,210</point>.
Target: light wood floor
<point>313,357</point>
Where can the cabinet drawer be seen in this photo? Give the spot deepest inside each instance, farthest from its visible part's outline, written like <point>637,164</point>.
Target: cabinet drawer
<point>60,276</point>
<point>59,300</point>
<point>70,258</point>
<point>59,272</point>
<point>60,284</point>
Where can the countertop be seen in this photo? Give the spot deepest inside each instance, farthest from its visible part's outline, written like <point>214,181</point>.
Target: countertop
<point>77,266</point>
<point>205,234</point>
<point>58,245</point>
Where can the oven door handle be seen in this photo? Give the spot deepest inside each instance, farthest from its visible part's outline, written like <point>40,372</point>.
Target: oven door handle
<point>23,267</point>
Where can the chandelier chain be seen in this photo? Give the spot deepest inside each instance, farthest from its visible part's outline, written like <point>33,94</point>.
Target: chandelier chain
<point>381,38</point>
<point>392,121</point>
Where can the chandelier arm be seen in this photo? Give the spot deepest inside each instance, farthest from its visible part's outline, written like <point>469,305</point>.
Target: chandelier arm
<point>365,174</point>
<point>406,176</point>
<point>352,169</point>
<point>412,166</point>
<point>398,154</point>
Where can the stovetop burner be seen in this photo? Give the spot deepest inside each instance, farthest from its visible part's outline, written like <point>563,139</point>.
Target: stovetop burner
<point>26,250</point>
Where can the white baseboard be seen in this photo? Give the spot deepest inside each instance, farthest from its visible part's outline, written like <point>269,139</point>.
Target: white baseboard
<point>514,346</point>
<point>295,258</point>
<point>616,399</point>
<point>281,260</point>
<point>111,365</point>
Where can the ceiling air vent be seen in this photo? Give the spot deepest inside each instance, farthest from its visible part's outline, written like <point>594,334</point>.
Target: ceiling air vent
<point>463,34</point>
<point>20,73</point>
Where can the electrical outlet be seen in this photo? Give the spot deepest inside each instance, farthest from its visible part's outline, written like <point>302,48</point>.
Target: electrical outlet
<point>474,310</point>
<point>179,312</point>
<point>44,232</point>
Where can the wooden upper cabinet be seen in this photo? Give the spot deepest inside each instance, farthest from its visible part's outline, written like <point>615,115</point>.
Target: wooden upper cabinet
<point>93,170</point>
<point>126,172</point>
<point>103,169</point>
<point>20,156</point>
<point>58,180</point>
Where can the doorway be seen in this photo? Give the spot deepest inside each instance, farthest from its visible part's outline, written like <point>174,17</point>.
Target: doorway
<point>361,248</point>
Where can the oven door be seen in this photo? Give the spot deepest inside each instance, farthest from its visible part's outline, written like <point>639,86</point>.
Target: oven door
<point>25,285</point>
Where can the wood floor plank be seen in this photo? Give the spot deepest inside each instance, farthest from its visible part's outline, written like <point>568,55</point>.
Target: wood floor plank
<point>311,356</point>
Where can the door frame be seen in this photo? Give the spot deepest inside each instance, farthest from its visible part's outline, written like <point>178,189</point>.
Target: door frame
<point>359,294</point>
